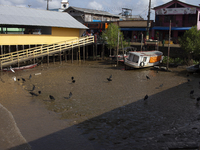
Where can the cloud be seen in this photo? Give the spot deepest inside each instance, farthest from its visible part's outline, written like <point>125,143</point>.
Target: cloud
<point>95,5</point>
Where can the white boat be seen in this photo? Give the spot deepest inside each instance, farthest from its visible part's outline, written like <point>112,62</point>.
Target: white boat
<point>143,59</point>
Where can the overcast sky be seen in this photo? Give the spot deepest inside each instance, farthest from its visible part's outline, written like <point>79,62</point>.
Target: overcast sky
<point>139,7</point>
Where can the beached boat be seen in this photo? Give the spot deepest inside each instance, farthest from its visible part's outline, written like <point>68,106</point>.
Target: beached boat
<point>120,56</point>
<point>143,59</point>
<point>193,68</point>
<point>20,68</point>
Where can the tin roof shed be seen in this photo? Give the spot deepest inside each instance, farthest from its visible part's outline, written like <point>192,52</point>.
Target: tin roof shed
<point>23,16</point>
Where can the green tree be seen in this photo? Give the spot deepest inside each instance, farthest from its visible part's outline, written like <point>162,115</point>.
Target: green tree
<point>110,35</point>
<point>190,42</point>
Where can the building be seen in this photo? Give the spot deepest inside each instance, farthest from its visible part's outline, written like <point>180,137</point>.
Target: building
<point>64,5</point>
<point>23,27</point>
<point>182,15</point>
<point>133,30</point>
<point>90,15</point>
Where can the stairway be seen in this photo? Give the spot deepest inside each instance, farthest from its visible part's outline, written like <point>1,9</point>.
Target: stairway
<point>41,51</point>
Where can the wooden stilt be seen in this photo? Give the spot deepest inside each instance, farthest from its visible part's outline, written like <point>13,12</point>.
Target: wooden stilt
<point>60,58</point>
<point>79,53</point>
<point>66,56</point>
<point>93,51</point>
<point>72,54</point>
<point>48,56</point>
<point>1,49</point>
<point>83,53</point>
<point>9,49</point>
<point>86,52</point>
<point>17,55</point>
<point>103,50</point>
<point>53,58</point>
<point>96,51</point>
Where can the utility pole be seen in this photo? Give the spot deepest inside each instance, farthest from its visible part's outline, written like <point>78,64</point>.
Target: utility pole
<point>169,45</point>
<point>47,4</point>
<point>148,21</point>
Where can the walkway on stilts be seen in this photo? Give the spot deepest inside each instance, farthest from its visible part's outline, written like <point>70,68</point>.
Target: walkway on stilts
<point>44,50</point>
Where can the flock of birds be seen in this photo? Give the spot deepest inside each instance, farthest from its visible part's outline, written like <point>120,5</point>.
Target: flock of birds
<point>39,92</point>
<point>109,80</point>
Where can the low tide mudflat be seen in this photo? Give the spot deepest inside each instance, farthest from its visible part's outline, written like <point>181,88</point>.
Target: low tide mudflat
<point>102,114</point>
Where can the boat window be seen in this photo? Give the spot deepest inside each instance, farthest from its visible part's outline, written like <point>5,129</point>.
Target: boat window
<point>144,59</point>
<point>130,57</point>
<point>135,59</point>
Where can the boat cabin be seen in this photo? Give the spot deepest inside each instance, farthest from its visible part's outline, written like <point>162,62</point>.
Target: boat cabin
<point>143,59</point>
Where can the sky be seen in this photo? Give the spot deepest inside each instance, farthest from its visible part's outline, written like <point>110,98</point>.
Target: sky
<point>139,7</point>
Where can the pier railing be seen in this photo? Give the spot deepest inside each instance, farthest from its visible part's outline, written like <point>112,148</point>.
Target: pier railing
<point>44,50</point>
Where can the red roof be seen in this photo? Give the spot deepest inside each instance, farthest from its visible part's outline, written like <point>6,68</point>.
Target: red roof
<point>174,1</point>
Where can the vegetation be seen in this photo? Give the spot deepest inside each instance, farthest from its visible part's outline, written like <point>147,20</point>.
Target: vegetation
<point>110,35</point>
<point>190,42</point>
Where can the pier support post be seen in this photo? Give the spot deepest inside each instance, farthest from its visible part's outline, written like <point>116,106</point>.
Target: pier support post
<point>93,51</point>
<point>86,52</point>
<point>72,54</point>
<point>96,51</point>
<point>48,56</point>
<point>53,58</point>
<point>83,53</point>
<point>79,54</point>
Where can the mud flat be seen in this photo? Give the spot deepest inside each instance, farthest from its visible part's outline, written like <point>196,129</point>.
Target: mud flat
<point>102,114</point>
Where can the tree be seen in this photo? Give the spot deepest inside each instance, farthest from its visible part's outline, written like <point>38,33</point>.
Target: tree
<point>190,42</point>
<point>110,35</point>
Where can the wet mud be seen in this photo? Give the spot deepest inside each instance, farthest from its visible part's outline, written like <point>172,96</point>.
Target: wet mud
<point>113,114</point>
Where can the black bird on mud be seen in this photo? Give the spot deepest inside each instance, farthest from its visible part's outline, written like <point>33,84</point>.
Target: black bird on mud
<point>51,97</point>
<point>73,81</point>
<point>39,92</point>
<point>23,79</point>
<point>198,99</point>
<point>70,95</point>
<point>146,97</point>
<point>192,92</point>
<point>72,78</point>
<point>110,78</point>
<point>33,88</point>
<point>33,94</point>
<point>30,76</point>
<point>18,79</point>
<point>147,77</point>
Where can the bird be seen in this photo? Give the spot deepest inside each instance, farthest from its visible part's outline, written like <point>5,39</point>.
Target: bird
<point>146,97</point>
<point>51,97</point>
<point>198,99</point>
<point>73,81</point>
<point>110,78</point>
<point>23,79</point>
<point>18,79</point>
<point>192,92</point>
<point>12,69</point>
<point>147,77</point>
<point>72,78</point>
<point>161,85</point>
<point>33,88</point>
<point>70,95</point>
<point>188,80</point>
<point>33,94</point>
<point>30,76</point>
<point>39,92</point>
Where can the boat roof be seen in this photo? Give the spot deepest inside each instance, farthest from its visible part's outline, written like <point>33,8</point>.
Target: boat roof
<point>146,53</point>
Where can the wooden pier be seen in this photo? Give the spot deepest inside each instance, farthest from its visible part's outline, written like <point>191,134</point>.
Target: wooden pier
<point>45,50</point>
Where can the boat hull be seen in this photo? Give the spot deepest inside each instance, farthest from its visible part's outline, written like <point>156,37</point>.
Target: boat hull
<point>21,68</point>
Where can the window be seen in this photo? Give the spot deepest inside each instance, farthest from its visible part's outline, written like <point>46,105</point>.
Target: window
<point>144,59</point>
<point>168,18</point>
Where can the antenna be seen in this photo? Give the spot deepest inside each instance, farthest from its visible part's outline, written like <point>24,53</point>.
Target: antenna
<point>48,4</point>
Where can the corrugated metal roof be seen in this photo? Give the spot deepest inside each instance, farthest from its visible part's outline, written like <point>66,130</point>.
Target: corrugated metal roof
<point>92,11</point>
<point>11,15</point>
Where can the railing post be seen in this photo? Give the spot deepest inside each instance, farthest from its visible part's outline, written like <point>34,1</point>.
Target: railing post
<point>11,56</point>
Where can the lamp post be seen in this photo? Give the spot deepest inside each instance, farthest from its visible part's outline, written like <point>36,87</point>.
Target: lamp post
<point>148,21</point>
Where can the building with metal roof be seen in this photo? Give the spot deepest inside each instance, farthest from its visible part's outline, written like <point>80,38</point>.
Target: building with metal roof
<point>28,26</point>
<point>90,15</point>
